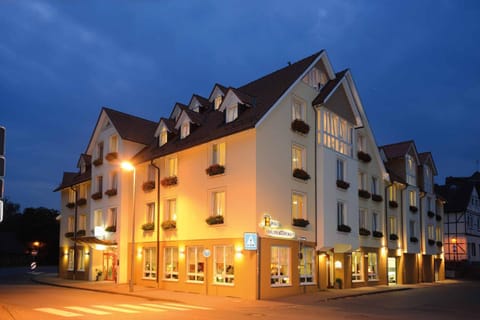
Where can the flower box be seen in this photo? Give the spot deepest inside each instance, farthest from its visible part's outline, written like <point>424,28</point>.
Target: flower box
<point>214,220</point>
<point>299,222</point>
<point>344,228</point>
<point>111,192</point>
<point>149,226</point>
<point>215,169</point>
<point>97,195</point>
<point>301,174</point>
<point>393,237</point>
<point>69,234</point>
<point>377,234</point>
<point>438,217</point>
<point>343,184</point>
<point>169,224</point>
<point>431,242</point>
<point>364,232</point>
<point>413,209</point>
<point>111,229</point>
<point>393,204</point>
<point>414,239</point>
<point>377,198</point>
<point>169,181</point>
<point>81,202</point>
<point>300,126</point>
<point>365,157</point>
<point>81,233</point>
<point>97,162</point>
<point>364,194</point>
<point>431,214</point>
<point>148,186</point>
<point>70,205</point>
<point>439,244</point>
<point>111,156</point>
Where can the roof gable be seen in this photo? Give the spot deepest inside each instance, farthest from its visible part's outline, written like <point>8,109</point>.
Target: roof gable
<point>426,158</point>
<point>218,90</point>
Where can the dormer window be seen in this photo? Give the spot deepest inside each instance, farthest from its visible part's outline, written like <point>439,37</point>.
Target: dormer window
<point>185,130</point>
<point>232,113</point>
<point>163,136</point>
<point>315,78</point>
<point>217,102</point>
<point>411,170</point>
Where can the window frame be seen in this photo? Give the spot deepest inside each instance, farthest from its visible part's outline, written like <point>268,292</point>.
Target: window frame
<point>231,113</point>
<point>357,267</point>
<point>298,157</point>
<point>341,213</point>
<point>225,275</point>
<point>218,205</point>
<point>278,279</point>
<point>198,273</point>
<point>218,153</point>
<point>150,212</point>
<point>372,273</point>
<point>149,263</point>
<point>299,109</point>
<point>170,263</point>
<point>299,213</point>
<point>307,277</point>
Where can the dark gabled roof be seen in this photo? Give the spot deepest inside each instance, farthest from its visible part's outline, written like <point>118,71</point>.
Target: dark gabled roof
<point>425,157</point>
<point>457,191</point>
<point>262,94</point>
<point>328,88</point>
<point>396,150</point>
<point>130,127</point>
<point>202,100</point>
<point>169,123</point>
<point>70,179</point>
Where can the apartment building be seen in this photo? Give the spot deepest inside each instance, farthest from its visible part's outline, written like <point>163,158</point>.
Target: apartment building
<point>269,189</point>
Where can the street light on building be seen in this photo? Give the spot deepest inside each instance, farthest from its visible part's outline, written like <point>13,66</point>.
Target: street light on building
<point>127,166</point>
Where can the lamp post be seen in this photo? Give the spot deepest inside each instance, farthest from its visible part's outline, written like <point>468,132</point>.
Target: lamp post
<point>127,166</point>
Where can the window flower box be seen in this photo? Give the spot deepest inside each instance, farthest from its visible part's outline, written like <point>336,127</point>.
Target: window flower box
<point>69,234</point>
<point>299,222</point>
<point>169,224</point>
<point>111,229</point>
<point>301,174</point>
<point>81,202</point>
<point>393,204</point>
<point>148,186</point>
<point>365,157</point>
<point>414,239</point>
<point>393,237</point>
<point>431,242</point>
<point>344,228</point>
<point>377,234</point>
<point>438,217</point>
<point>214,220</point>
<point>215,169</point>
<point>439,244</point>
<point>169,181</point>
<point>364,194</point>
<point>97,195</point>
<point>149,226</point>
<point>413,209</point>
<point>111,156</point>
<point>111,192</point>
<point>377,198</point>
<point>97,162</point>
<point>81,233</point>
<point>431,214</point>
<point>364,232</point>
<point>70,205</point>
<point>343,184</point>
<point>300,126</point>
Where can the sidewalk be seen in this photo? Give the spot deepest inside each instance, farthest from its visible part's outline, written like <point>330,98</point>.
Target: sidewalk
<point>194,298</point>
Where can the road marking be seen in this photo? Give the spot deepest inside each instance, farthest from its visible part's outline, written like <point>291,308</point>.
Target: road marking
<point>58,312</point>
<point>88,310</point>
<point>125,305</point>
<point>110,308</point>
<point>162,306</point>
<point>186,306</point>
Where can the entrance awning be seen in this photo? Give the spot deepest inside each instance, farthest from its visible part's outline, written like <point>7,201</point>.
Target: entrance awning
<point>94,240</point>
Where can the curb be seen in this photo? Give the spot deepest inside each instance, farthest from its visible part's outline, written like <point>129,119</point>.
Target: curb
<point>353,295</point>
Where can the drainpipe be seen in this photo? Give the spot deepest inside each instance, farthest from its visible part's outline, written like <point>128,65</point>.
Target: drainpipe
<point>422,234</point>
<point>75,235</point>
<point>158,222</point>
<point>316,200</point>
<point>387,234</point>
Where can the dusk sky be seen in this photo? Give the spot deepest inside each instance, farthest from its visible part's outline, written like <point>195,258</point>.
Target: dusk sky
<point>416,65</point>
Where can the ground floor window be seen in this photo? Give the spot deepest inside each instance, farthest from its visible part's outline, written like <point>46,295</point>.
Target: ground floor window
<point>280,266</point>
<point>307,265</point>
<point>195,264</point>
<point>170,260</point>
<point>71,257</point>
<point>80,259</point>
<point>357,266</point>
<point>372,266</point>
<point>149,263</point>
<point>224,256</point>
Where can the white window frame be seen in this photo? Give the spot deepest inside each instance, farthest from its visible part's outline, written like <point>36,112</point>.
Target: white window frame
<point>71,223</point>
<point>375,186</point>
<point>375,221</point>
<point>280,266</point>
<point>341,213</point>
<point>70,262</point>
<point>307,265</point>
<point>299,205</point>
<point>362,181</point>
<point>298,157</point>
<point>149,263</point>
<point>217,101</point>
<point>224,265</point>
<point>150,212</point>
<point>411,170</point>
<point>336,132</point>
<point>163,138</point>
<point>412,196</point>
<point>357,266</point>
<point>170,263</point>
<point>392,193</point>
<point>341,168</point>
<point>185,129</point>
<point>171,164</point>
<point>218,153</point>
<point>363,218</point>
<point>171,209</point>
<point>112,217</point>
<point>299,109</point>
<point>372,266</point>
<point>98,218</point>
<point>80,259</point>
<point>392,224</point>
<point>197,273</point>
<point>82,222</point>
<point>231,113</point>
<point>218,202</point>
<point>113,143</point>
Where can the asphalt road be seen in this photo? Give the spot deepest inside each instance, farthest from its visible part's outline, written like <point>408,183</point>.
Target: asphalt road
<point>20,299</point>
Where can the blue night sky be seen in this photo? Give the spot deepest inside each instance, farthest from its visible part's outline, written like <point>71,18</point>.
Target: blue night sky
<point>416,65</point>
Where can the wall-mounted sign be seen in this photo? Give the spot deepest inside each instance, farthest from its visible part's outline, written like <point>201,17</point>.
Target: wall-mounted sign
<point>280,233</point>
<point>250,241</point>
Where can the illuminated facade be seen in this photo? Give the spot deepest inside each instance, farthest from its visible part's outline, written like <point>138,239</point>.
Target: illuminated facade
<point>278,181</point>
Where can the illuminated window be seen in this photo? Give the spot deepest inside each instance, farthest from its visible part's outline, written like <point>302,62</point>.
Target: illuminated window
<point>337,133</point>
<point>411,170</point>
<point>218,203</point>
<point>431,233</point>
<point>299,109</point>
<point>98,218</point>
<point>150,214</point>
<point>185,130</point>
<point>82,193</point>
<point>363,214</point>
<point>112,217</point>
<point>70,262</point>
<point>151,172</point>
<point>232,113</point>
<point>392,192</point>
<point>82,222</point>
<point>299,206</point>
<point>392,224</point>
<point>71,196</point>
<point>357,266</point>
<point>280,266</point>
<point>307,265</point>
<point>171,209</point>
<point>70,223</point>
<point>438,234</point>
<point>113,143</point>
<point>80,259</point>
<point>412,195</point>
<point>195,264</point>
<point>150,263</point>
<point>217,102</point>
<point>218,153</point>
<point>172,167</point>
<point>372,266</point>
<point>170,260</point>
<point>298,157</point>
<point>315,78</point>
<point>163,136</point>
<point>224,267</point>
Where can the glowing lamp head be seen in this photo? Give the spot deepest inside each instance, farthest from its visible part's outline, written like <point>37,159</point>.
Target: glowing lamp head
<point>127,166</point>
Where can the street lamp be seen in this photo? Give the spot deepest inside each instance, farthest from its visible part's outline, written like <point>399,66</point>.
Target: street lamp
<point>127,166</point>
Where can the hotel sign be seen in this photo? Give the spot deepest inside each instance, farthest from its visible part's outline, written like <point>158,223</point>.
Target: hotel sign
<point>280,233</point>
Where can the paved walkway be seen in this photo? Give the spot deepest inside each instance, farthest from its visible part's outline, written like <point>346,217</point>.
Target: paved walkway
<point>174,296</point>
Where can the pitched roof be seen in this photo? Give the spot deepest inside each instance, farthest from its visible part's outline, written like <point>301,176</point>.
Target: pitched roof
<point>262,94</point>
<point>396,150</point>
<point>70,179</point>
<point>328,88</point>
<point>130,127</point>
